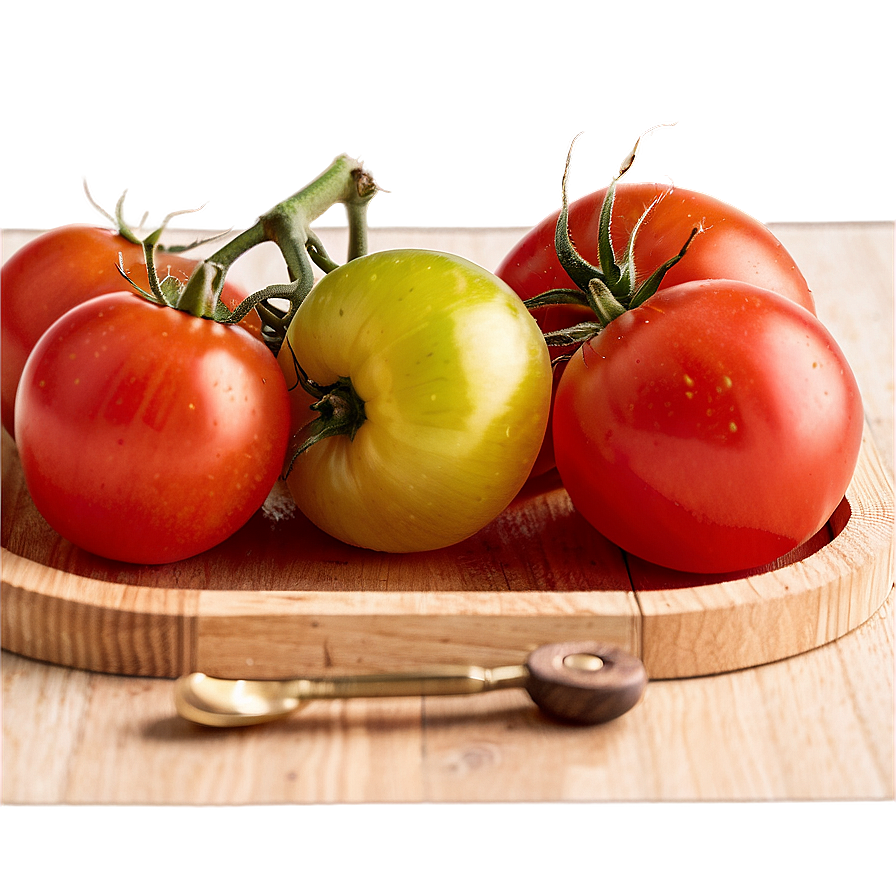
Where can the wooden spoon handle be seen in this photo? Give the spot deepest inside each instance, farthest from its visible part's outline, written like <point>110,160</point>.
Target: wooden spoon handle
<point>585,682</point>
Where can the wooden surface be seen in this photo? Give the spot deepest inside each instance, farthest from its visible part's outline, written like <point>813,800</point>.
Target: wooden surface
<point>281,599</point>
<point>816,726</point>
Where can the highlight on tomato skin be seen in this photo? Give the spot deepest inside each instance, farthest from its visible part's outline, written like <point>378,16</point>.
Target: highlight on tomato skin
<point>450,380</point>
<point>59,270</point>
<point>711,430</point>
<point>146,434</point>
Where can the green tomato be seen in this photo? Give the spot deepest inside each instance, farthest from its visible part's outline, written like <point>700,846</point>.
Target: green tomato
<point>449,386</point>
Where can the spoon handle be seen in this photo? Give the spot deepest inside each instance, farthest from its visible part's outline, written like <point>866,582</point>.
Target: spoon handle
<point>428,681</point>
<point>584,682</point>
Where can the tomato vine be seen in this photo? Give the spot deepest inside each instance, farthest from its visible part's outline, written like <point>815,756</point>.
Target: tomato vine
<point>288,224</point>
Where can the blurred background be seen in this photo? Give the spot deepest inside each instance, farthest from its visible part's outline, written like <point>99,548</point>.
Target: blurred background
<point>463,112</point>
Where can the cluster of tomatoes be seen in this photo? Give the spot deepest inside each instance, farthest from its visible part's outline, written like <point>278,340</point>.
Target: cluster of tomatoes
<point>149,434</point>
<point>713,426</point>
<point>707,423</point>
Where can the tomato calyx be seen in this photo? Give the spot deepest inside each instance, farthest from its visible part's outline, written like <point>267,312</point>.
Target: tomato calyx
<point>198,296</point>
<point>340,413</point>
<point>611,287</point>
<point>125,230</point>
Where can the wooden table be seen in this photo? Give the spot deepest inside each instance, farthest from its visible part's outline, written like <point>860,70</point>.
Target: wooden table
<point>819,726</point>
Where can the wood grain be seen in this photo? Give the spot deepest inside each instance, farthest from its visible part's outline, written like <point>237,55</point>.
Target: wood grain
<point>538,574</point>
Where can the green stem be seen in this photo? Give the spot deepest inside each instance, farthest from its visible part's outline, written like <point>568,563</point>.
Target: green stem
<point>230,252</point>
<point>319,255</point>
<point>288,224</point>
<point>602,301</point>
<point>356,209</point>
<point>200,295</point>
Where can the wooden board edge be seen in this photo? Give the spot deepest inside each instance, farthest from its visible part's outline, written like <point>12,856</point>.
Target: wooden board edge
<point>298,645</point>
<point>70,620</point>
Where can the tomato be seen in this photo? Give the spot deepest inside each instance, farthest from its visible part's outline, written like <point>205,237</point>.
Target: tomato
<point>147,434</point>
<point>62,268</point>
<point>442,381</point>
<point>713,428</point>
<point>730,245</point>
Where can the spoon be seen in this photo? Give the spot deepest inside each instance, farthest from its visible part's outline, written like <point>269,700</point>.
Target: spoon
<point>584,682</point>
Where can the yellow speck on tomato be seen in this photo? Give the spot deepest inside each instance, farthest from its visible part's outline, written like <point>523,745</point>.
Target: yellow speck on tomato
<point>688,381</point>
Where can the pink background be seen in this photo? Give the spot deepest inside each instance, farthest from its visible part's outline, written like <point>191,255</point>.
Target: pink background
<point>463,110</point>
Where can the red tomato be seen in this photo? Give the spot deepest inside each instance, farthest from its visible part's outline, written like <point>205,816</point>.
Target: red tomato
<point>147,434</point>
<point>62,268</point>
<point>731,246</point>
<point>712,429</point>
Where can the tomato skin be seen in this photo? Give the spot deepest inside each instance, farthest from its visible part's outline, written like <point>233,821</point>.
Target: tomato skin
<point>455,379</point>
<point>733,246</point>
<point>60,269</point>
<point>712,429</point>
<point>148,435</point>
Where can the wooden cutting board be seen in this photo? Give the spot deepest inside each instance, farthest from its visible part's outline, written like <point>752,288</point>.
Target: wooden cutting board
<point>280,598</point>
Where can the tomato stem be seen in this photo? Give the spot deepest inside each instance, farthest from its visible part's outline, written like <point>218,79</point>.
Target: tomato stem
<point>200,295</point>
<point>288,224</point>
<point>602,301</point>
